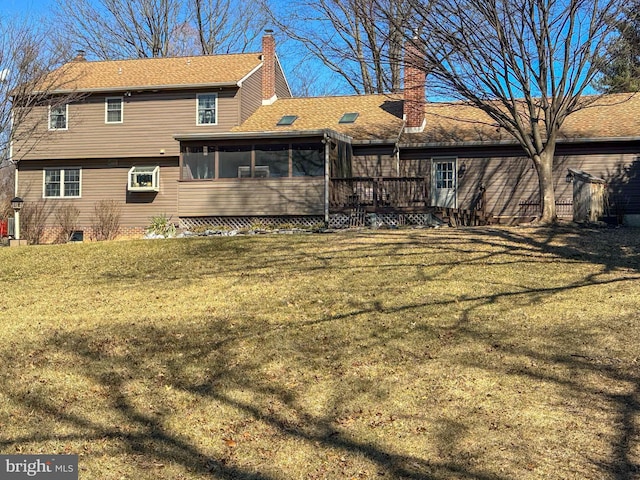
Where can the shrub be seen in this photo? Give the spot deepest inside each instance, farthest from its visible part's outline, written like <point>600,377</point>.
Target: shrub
<point>67,219</point>
<point>161,225</point>
<point>106,220</point>
<point>33,218</point>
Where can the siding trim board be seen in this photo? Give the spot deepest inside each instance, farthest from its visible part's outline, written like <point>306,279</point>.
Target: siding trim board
<point>492,151</point>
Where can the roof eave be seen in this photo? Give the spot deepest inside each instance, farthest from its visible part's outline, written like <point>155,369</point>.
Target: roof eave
<point>283,134</point>
<point>247,135</point>
<point>484,143</point>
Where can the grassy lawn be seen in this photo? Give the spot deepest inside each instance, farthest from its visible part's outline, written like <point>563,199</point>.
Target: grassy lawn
<point>497,353</point>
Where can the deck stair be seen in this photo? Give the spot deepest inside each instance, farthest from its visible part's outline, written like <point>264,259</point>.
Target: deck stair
<point>357,216</point>
<point>458,217</point>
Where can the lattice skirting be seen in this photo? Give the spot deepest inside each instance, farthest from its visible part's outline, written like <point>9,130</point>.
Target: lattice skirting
<point>336,221</point>
<point>244,223</point>
<point>377,220</point>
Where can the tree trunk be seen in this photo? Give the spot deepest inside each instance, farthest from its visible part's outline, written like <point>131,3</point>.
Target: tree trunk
<point>544,166</point>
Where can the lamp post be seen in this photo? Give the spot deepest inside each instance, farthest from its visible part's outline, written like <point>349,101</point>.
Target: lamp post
<point>16,204</point>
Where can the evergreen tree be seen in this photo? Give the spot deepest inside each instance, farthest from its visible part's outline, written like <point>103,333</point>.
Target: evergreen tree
<point>622,74</point>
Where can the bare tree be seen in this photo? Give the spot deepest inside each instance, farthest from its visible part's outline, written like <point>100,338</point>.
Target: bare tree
<point>353,38</point>
<point>26,83</point>
<point>525,63</point>
<point>225,26</point>
<point>109,29</point>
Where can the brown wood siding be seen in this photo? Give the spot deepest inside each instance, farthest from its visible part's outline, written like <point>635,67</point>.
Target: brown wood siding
<point>620,171</point>
<point>374,166</point>
<point>282,89</point>
<point>105,179</point>
<point>150,121</point>
<point>250,95</point>
<point>235,197</point>
<point>512,180</point>
<point>508,181</point>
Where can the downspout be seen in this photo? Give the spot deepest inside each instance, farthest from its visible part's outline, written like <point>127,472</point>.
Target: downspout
<point>396,146</point>
<point>15,172</point>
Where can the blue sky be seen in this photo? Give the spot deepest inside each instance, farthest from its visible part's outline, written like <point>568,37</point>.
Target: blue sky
<point>27,8</point>
<point>39,9</point>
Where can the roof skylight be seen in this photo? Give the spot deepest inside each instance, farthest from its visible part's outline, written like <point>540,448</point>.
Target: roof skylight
<point>349,117</point>
<point>287,120</point>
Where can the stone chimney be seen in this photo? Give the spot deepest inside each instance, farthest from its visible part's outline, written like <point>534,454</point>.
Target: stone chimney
<point>268,68</point>
<point>414,85</point>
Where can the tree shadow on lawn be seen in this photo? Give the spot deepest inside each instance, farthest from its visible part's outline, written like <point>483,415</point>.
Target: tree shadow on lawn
<point>140,412</point>
<point>142,431</point>
<point>612,248</point>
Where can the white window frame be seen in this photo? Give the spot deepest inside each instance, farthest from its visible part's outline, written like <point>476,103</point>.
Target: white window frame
<point>215,108</point>
<point>62,190</point>
<point>106,110</point>
<point>436,200</point>
<point>153,170</point>
<point>66,119</point>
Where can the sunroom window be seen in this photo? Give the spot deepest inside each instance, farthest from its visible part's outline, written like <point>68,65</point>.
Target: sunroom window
<point>307,159</point>
<point>272,161</point>
<point>144,179</point>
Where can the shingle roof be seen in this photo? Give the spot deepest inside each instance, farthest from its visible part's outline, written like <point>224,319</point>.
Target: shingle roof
<point>156,72</point>
<point>380,117</point>
<point>609,116</point>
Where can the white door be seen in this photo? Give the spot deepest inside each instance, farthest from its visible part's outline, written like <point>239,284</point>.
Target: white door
<point>443,182</point>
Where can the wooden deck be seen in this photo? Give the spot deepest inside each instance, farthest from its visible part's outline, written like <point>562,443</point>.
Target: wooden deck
<point>359,196</point>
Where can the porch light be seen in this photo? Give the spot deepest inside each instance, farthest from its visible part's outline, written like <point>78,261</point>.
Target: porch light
<point>462,170</point>
<point>569,177</point>
<point>17,203</point>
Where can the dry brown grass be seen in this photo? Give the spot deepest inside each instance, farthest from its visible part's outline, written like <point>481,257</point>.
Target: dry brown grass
<point>470,354</point>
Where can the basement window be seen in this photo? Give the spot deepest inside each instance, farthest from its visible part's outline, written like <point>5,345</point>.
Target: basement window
<point>287,120</point>
<point>144,179</point>
<point>349,117</point>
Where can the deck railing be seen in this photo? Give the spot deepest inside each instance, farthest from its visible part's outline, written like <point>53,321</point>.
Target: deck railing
<point>564,208</point>
<point>378,193</point>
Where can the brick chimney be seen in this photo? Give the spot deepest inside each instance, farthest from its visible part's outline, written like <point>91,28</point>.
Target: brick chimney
<point>268,68</point>
<point>414,85</point>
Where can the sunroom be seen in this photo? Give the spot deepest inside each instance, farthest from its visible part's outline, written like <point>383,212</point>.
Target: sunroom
<point>258,175</point>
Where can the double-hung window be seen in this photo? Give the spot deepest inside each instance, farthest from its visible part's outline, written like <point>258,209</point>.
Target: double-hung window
<point>207,111</point>
<point>62,182</point>
<point>58,115</point>
<point>113,110</point>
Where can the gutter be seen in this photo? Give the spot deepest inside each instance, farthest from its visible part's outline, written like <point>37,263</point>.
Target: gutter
<point>576,140</point>
<point>142,88</point>
<point>327,133</point>
<point>247,135</point>
<point>395,142</point>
